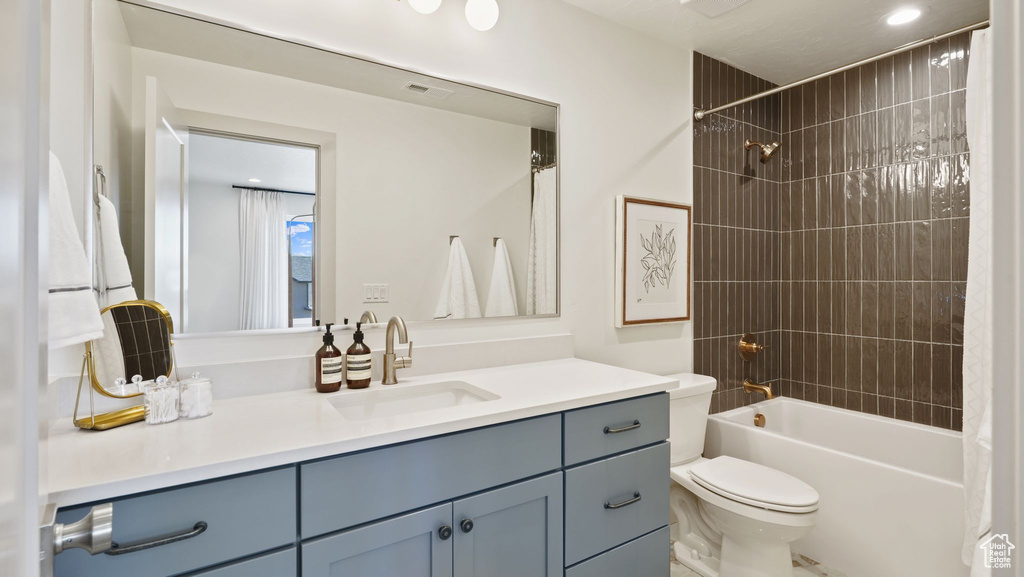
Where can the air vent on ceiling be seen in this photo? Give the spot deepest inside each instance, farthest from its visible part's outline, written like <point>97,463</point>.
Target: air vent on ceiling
<point>431,91</point>
<point>713,8</point>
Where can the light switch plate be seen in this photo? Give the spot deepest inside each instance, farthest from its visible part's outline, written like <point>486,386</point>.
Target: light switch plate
<point>375,293</point>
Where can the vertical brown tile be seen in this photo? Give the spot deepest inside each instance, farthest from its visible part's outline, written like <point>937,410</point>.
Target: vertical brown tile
<point>904,328</point>
<point>922,372</point>
<point>868,80</point>
<point>940,124</point>
<point>920,81</point>
<point>885,83</point>
<point>886,368</point>
<point>852,92</point>
<point>920,111</point>
<point>904,370</point>
<point>901,77</point>
<point>959,54</point>
<point>886,310</point>
<point>922,312</point>
<point>942,313</point>
<point>922,250</point>
<point>837,102</point>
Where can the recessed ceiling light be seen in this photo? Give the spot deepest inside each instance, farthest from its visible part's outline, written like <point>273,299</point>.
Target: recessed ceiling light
<point>903,16</point>
<point>255,180</point>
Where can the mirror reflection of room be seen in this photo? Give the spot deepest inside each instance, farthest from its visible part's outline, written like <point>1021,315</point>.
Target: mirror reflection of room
<point>433,200</point>
<point>250,234</point>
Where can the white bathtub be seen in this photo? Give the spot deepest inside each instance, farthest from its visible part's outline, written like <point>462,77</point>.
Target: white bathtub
<point>891,492</point>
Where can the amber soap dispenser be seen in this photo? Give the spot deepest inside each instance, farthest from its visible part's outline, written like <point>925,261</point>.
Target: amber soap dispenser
<point>357,361</point>
<point>329,361</point>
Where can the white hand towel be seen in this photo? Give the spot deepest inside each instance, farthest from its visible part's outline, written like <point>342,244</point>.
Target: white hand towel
<point>458,298</point>
<point>74,315</point>
<point>501,298</point>
<point>542,265</point>
<point>115,278</point>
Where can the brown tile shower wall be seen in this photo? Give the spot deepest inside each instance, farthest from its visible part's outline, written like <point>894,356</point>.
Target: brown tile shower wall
<point>875,186</point>
<point>736,233</point>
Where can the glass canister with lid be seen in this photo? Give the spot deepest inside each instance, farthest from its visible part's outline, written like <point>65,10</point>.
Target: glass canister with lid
<point>161,400</point>
<point>196,397</point>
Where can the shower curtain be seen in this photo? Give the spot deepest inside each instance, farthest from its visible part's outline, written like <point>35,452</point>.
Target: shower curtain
<point>263,244</point>
<point>977,426</point>
<point>542,262</point>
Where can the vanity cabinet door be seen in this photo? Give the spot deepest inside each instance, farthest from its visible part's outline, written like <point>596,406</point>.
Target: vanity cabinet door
<point>515,531</point>
<point>411,545</point>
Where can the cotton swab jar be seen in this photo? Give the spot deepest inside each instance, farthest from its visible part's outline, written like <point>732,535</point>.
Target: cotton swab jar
<point>161,400</point>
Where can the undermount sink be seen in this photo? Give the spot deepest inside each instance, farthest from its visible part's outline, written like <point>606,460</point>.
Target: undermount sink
<point>402,400</point>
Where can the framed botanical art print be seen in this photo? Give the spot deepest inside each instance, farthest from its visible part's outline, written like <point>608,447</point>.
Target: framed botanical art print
<point>652,261</point>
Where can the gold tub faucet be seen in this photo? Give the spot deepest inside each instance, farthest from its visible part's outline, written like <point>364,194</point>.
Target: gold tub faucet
<point>752,387</point>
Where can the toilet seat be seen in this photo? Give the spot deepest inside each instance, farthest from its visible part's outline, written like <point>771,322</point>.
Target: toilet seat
<point>763,512</point>
<point>755,485</point>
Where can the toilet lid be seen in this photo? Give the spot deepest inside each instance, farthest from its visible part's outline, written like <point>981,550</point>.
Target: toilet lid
<point>755,484</point>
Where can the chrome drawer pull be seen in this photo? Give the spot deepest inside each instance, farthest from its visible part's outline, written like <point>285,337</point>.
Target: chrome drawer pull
<point>635,499</point>
<point>611,431</point>
<point>116,549</point>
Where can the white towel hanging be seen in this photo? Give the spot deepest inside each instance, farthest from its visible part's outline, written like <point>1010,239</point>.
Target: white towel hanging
<point>115,278</point>
<point>458,298</point>
<point>501,297</point>
<point>74,316</point>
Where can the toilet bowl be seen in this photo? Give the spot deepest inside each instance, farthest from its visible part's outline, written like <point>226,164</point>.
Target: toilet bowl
<point>733,518</point>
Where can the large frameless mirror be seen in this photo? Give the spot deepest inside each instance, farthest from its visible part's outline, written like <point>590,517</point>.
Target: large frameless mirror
<point>257,183</point>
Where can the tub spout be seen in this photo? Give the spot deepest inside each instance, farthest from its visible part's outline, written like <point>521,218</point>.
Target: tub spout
<point>752,387</point>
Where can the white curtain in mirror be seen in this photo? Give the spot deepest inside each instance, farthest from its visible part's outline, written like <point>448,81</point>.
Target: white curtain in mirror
<point>542,265</point>
<point>264,260</point>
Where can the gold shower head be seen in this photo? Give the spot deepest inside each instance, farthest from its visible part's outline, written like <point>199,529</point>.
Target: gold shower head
<point>767,150</point>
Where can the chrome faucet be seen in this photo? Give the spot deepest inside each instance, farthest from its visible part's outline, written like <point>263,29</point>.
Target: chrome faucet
<point>391,362</point>
<point>368,318</point>
<point>752,387</point>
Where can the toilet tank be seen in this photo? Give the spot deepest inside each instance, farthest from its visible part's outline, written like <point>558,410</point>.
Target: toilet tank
<point>688,415</point>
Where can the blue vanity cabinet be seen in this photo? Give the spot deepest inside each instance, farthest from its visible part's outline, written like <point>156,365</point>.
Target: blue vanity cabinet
<point>239,517</point>
<point>416,544</point>
<point>515,531</point>
<point>583,493</point>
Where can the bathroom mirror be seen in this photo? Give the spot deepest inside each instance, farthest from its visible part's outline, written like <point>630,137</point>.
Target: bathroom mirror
<point>136,341</point>
<point>261,183</point>
<point>135,348</point>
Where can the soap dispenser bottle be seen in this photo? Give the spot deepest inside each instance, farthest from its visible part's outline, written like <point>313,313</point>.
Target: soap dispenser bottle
<point>329,361</point>
<point>357,361</point>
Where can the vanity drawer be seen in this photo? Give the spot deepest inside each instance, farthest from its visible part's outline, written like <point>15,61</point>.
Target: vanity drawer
<point>612,501</point>
<point>243,516</point>
<point>596,432</point>
<point>350,490</point>
<point>281,564</point>
<point>647,556</point>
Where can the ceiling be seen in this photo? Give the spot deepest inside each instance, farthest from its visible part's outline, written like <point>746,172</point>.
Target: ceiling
<point>226,161</point>
<point>787,40</point>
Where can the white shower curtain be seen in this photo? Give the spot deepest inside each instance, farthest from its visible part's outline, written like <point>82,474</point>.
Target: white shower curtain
<point>263,244</point>
<point>977,426</point>
<point>542,262</point>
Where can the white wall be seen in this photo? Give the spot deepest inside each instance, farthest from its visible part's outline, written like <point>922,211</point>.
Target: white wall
<point>625,127</point>
<point>408,176</point>
<point>112,111</point>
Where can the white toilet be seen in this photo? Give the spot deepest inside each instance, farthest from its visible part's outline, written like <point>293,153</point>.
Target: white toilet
<point>734,518</point>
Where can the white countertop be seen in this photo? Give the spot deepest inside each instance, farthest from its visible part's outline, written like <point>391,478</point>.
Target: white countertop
<point>257,432</point>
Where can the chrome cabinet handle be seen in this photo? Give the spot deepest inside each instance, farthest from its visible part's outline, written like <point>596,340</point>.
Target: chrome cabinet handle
<point>635,499</point>
<point>196,530</point>
<point>611,431</point>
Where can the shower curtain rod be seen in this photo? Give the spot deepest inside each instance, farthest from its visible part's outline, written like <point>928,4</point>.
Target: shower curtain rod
<point>272,190</point>
<point>700,113</point>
